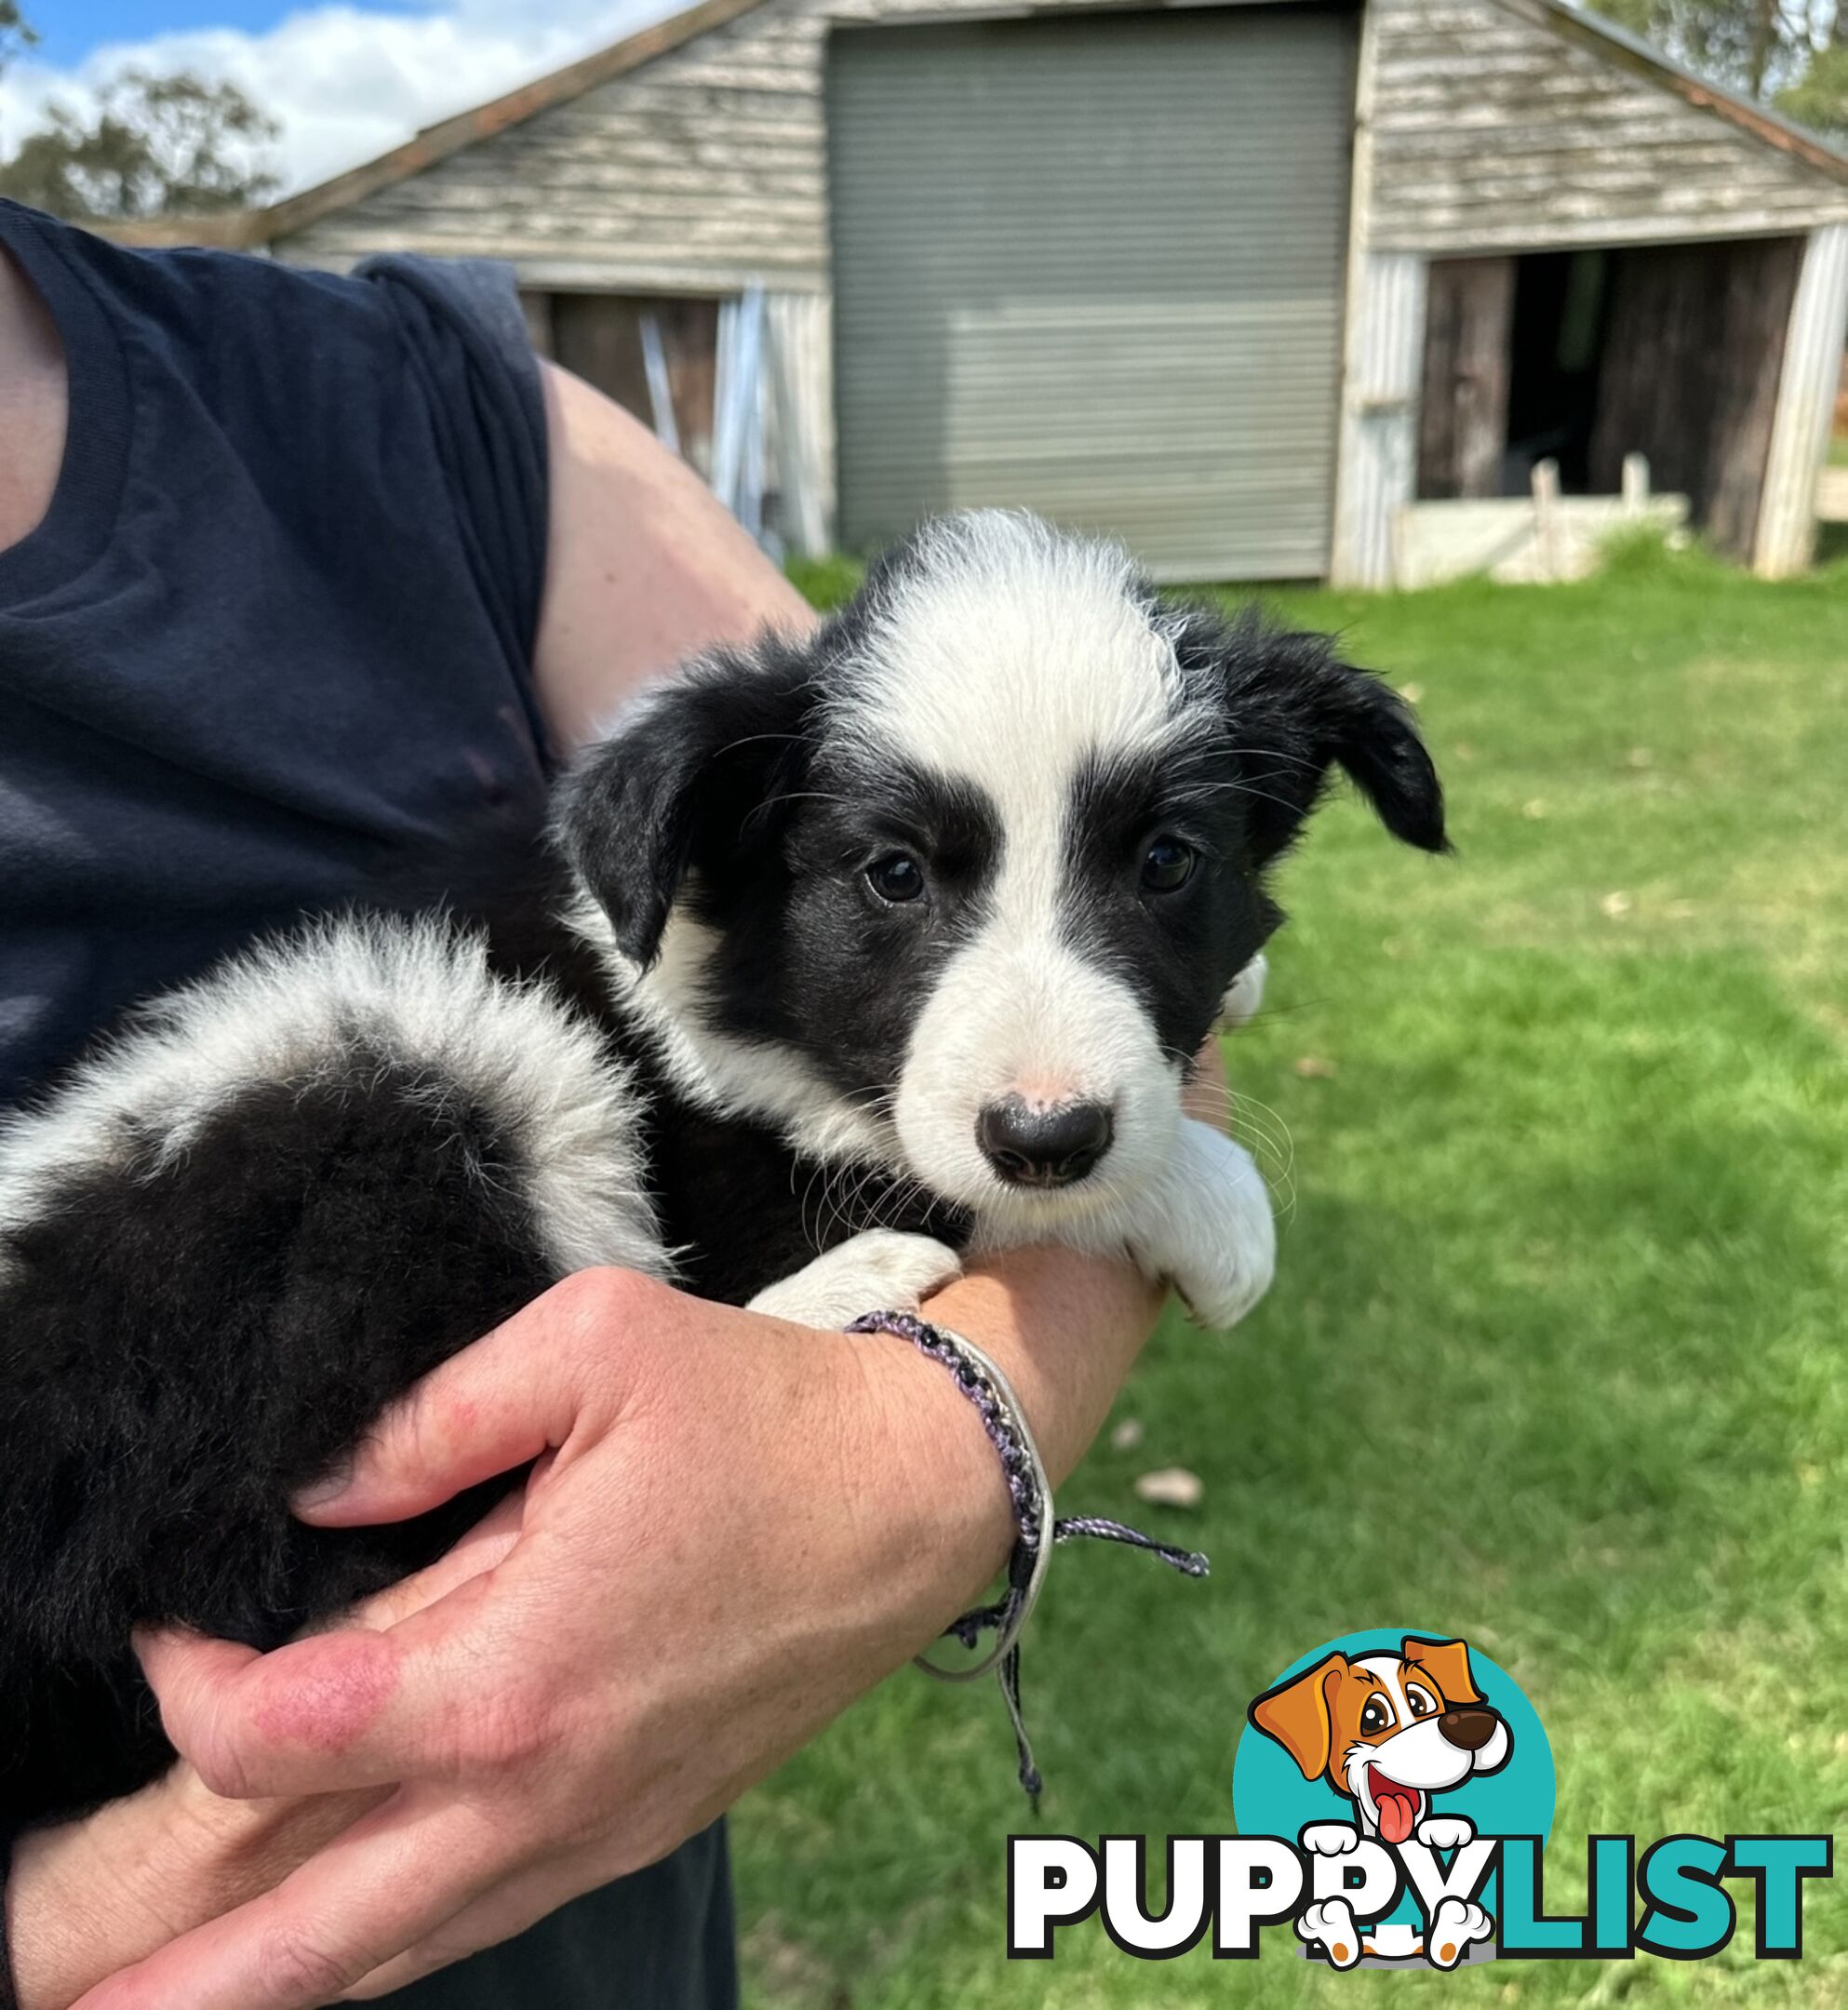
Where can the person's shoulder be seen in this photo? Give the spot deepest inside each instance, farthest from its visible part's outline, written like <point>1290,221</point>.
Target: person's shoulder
<point>202,297</point>
<point>212,296</point>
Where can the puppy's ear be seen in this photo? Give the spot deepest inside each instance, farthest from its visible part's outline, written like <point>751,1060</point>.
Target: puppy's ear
<point>676,782</point>
<point>1294,710</point>
<point>1448,1661</point>
<point>1296,1714</point>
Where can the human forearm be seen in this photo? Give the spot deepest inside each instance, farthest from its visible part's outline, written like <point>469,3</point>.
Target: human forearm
<point>1064,1328</point>
<point>644,566</point>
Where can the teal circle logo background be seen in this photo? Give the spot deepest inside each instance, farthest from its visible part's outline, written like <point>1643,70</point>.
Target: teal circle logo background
<point>1270,1797</point>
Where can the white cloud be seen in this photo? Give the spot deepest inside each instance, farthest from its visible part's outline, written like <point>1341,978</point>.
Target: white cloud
<point>345,83</point>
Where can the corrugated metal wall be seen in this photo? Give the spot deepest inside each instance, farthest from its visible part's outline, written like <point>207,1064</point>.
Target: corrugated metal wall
<point>1095,265</point>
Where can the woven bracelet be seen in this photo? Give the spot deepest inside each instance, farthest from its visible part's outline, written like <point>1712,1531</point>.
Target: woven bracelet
<point>1036,1528</point>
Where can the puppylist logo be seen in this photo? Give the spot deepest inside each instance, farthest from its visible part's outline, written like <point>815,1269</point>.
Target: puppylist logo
<point>1393,1793</point>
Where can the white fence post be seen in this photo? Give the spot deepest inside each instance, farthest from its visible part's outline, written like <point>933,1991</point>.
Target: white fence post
<point>1785,539</point>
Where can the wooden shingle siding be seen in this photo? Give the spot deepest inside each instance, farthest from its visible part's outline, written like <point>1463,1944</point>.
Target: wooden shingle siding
<point>1495,128</point>
<point>698,173</point>
<point>1493,132</point>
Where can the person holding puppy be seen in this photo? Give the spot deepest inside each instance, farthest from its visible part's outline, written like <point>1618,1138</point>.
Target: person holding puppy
<point>306,584</point>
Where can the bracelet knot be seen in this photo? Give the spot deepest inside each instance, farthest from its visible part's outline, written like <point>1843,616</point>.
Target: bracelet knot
<point>1037,1531</point>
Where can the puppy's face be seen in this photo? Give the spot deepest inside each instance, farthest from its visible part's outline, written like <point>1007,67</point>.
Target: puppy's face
<point>961,884</point>
<point>1389,1731</point>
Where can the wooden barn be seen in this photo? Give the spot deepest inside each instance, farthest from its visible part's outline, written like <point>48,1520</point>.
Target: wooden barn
<point>1240,283</point>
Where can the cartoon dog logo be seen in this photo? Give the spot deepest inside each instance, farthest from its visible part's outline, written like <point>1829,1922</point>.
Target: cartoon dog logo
<point>1388,1732</point>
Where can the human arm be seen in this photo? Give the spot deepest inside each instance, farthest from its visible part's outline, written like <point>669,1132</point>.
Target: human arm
<point>886,1516</point>
<point>644,566</point>
<point>710,608</point>
<point>738,1527</point>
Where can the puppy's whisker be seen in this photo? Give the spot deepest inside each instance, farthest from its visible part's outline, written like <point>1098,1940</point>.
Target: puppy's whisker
<point>757,739</point>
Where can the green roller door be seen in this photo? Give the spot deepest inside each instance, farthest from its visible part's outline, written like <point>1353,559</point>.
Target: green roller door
<point>1094,265</point>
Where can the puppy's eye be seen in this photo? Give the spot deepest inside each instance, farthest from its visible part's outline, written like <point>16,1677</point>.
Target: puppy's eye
<point>1167,866</point>
<point>1418,1703</point>
<point>1375,1716</point>
<point>896,878</point>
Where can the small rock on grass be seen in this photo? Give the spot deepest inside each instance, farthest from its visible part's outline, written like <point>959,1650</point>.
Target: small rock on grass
<point>1127,1434</point>
<point>1171,1486</point>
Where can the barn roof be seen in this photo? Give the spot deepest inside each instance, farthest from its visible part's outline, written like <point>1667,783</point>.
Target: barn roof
<point>437,143</point>
<point>1618,45</point>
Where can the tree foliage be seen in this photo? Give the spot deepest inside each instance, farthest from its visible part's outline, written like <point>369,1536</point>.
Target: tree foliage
<point>173,145</point>
<point>1792,53</point>
<point>16,32</point>
<point>1819,96</point>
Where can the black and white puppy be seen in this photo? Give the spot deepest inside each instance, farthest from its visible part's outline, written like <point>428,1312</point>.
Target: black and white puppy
<point>883,946</point>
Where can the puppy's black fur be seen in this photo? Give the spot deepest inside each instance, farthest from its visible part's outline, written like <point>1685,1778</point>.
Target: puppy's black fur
<point>186,1339</point>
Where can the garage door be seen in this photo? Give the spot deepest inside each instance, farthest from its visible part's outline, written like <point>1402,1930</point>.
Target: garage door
<point>1095,266</point>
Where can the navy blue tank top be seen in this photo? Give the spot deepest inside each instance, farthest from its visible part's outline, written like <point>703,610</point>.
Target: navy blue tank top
<point>270,653</point>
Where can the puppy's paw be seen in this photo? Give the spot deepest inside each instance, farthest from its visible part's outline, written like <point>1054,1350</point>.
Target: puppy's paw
<point>1240,1006</point>
<point>1329,1925</point>
<point>1330,1839</point>
<point>1455,1926</point>
<point>1445,1831</point>
<point>1215,1237</point>
<point>880,1271</point>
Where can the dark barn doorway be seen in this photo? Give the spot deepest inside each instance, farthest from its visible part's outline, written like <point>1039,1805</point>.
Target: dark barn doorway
<point>600,338</point>
<point>1581,357</point>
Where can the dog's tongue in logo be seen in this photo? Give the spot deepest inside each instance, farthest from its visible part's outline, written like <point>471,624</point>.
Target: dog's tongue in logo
<point>1397,1806</point>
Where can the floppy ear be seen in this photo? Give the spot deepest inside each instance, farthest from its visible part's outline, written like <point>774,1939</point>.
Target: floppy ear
<point>1294,710</point>
<point>677,781</point>
<point>1448,1661</point>
<point>1295,1713</point>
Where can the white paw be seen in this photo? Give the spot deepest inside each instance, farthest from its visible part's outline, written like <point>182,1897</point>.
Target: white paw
<point>1454,1925</point>
<point>1215,1239</point>
<point>1330,1839</point>
<point>880,1271</point>
<point>1241,1003</point>
<point>1329,1925</point>
<point>1445,1831</point>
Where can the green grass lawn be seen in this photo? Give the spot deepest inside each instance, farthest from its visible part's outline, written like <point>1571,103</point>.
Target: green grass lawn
<point>1555,1357</point>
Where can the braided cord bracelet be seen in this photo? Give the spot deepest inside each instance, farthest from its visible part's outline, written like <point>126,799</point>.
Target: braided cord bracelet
<point>1036,1530</point>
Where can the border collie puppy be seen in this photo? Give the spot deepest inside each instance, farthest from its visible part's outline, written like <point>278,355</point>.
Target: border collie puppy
<point>883,946</point>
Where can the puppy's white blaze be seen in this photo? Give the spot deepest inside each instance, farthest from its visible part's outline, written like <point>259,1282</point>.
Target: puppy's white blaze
<point>1016,1012</point>
<point>1008,655</point>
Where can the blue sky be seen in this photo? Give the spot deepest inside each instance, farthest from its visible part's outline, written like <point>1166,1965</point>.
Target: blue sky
<point>69,30</point>
<point>343,79</point>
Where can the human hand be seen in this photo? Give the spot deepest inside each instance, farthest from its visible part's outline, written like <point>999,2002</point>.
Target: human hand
<point>737,1526</point>
<point>647,1647</point>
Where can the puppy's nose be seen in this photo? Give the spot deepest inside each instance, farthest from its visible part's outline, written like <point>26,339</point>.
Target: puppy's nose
<point>1468,1729</point>
<point>1031,1146</point>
